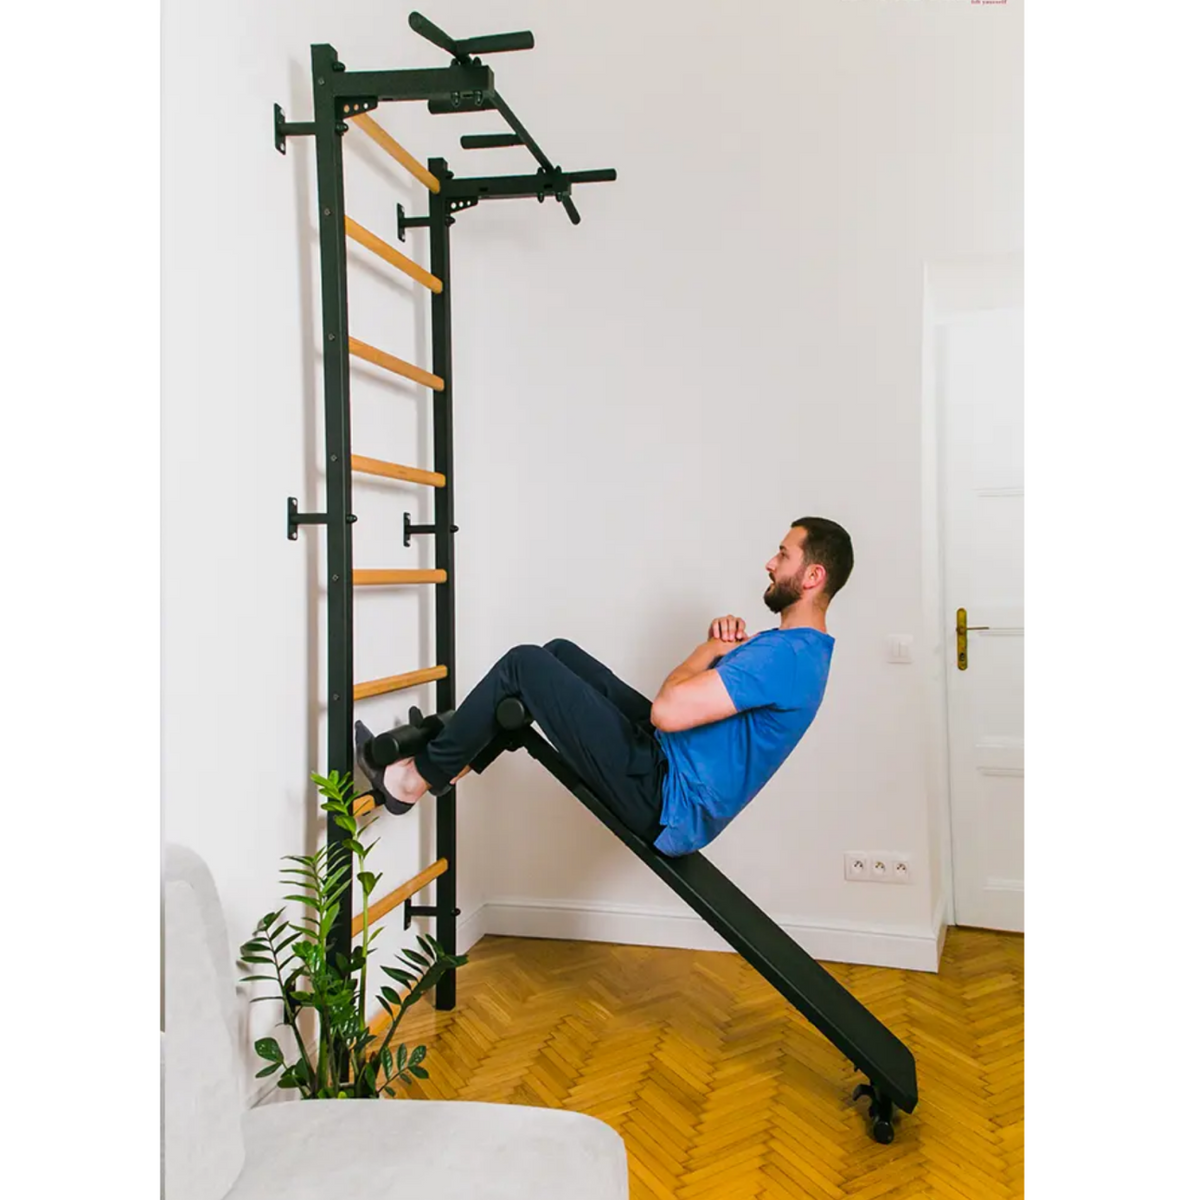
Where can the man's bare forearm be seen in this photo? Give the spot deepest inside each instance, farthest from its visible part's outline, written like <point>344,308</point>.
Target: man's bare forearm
<point>699,660</point>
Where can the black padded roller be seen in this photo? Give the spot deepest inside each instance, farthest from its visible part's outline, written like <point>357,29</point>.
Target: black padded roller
<point>511,713</point>
<point>405,740</point>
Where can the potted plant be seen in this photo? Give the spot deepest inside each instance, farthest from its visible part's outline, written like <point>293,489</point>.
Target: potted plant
<point>347,1061</point>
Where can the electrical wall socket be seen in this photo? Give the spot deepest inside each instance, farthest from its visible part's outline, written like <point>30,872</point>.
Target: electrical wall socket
<point>877,866</point>
<point>857,866</point>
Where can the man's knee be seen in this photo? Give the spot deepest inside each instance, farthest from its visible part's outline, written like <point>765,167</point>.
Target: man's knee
<point>524,654</point>
<point>557,645</point>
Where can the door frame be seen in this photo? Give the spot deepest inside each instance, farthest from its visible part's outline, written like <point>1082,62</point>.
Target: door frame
<point>953,290</point>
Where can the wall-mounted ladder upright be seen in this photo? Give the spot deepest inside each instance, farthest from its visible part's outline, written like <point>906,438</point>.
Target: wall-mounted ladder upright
<point>342,98</point>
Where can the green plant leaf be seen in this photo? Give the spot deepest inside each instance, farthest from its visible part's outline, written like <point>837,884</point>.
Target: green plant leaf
<point>268,1048</point>
<point>269,1070</point>
<point>390,994</point>
<point>386,1056</point>
<point>419,959</point>
<point>418,1055</point>
<point>255,978</point>
<point>327,919</point>
<point>420,1072</point>
<point>258,958</point>
<point>398,975</point>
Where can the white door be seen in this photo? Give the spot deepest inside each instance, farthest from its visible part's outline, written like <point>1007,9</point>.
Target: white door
<point>980,370</point>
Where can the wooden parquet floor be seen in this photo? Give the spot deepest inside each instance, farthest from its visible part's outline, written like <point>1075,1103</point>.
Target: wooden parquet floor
<point>720,1089</point>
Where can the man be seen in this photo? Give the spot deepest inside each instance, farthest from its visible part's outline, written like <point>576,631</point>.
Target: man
<point>676,770</point>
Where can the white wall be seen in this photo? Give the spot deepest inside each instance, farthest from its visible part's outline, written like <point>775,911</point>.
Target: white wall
<point>730,340</point>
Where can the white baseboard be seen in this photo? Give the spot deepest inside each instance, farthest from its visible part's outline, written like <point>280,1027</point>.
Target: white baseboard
<point>908,949</point>
<point>472,929</point>
<point>940,925</point>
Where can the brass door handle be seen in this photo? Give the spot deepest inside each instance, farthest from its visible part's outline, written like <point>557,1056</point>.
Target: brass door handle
<point>961,629</point>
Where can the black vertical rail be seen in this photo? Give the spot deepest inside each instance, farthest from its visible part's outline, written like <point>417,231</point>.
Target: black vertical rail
<point>335,351</point>
<point>443,462</point>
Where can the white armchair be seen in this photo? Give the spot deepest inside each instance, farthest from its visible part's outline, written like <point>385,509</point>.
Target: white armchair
<point>215,1149</point>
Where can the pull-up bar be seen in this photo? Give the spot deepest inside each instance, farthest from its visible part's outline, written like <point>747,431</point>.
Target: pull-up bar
<point>464,86</point>
<point>492,43</point>
<point>488,141</point>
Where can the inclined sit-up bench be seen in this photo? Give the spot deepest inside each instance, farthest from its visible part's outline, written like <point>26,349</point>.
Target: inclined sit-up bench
<point>873,1049</point>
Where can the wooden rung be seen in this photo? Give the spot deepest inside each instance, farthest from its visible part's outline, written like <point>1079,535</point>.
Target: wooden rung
<point>397,365</point>
<point>404,892</point>
<point>385,141</point>
<point>381,578</point>
<point>364,237</point>
<point>397,683</point>
<point>376,466</point>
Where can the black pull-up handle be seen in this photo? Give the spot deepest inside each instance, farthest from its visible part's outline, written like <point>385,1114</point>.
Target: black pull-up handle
<point>492,43</point>
<point>488,141</point>
<point>608,176</point>
<point>497,43</point>
<point>431,33</point>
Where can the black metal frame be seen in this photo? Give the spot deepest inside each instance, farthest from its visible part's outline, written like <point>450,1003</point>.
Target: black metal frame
<point>465,86</point>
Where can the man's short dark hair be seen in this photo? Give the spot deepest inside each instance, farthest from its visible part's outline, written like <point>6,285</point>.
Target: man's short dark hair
<point>827,543</point>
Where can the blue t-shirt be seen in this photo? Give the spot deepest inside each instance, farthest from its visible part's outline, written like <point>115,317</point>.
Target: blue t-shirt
<point>777,680</point>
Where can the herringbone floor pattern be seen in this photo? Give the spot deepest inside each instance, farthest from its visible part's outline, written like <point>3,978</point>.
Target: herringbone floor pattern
<point>720,1089</point>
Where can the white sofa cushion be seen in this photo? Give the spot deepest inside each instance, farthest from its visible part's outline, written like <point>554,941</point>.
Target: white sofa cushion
<point>317,1149</point>
<point>451,1149</point>
<point>202,1112</point>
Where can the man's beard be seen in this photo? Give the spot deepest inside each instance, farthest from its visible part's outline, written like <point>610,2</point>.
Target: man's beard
<point>781,594</point>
